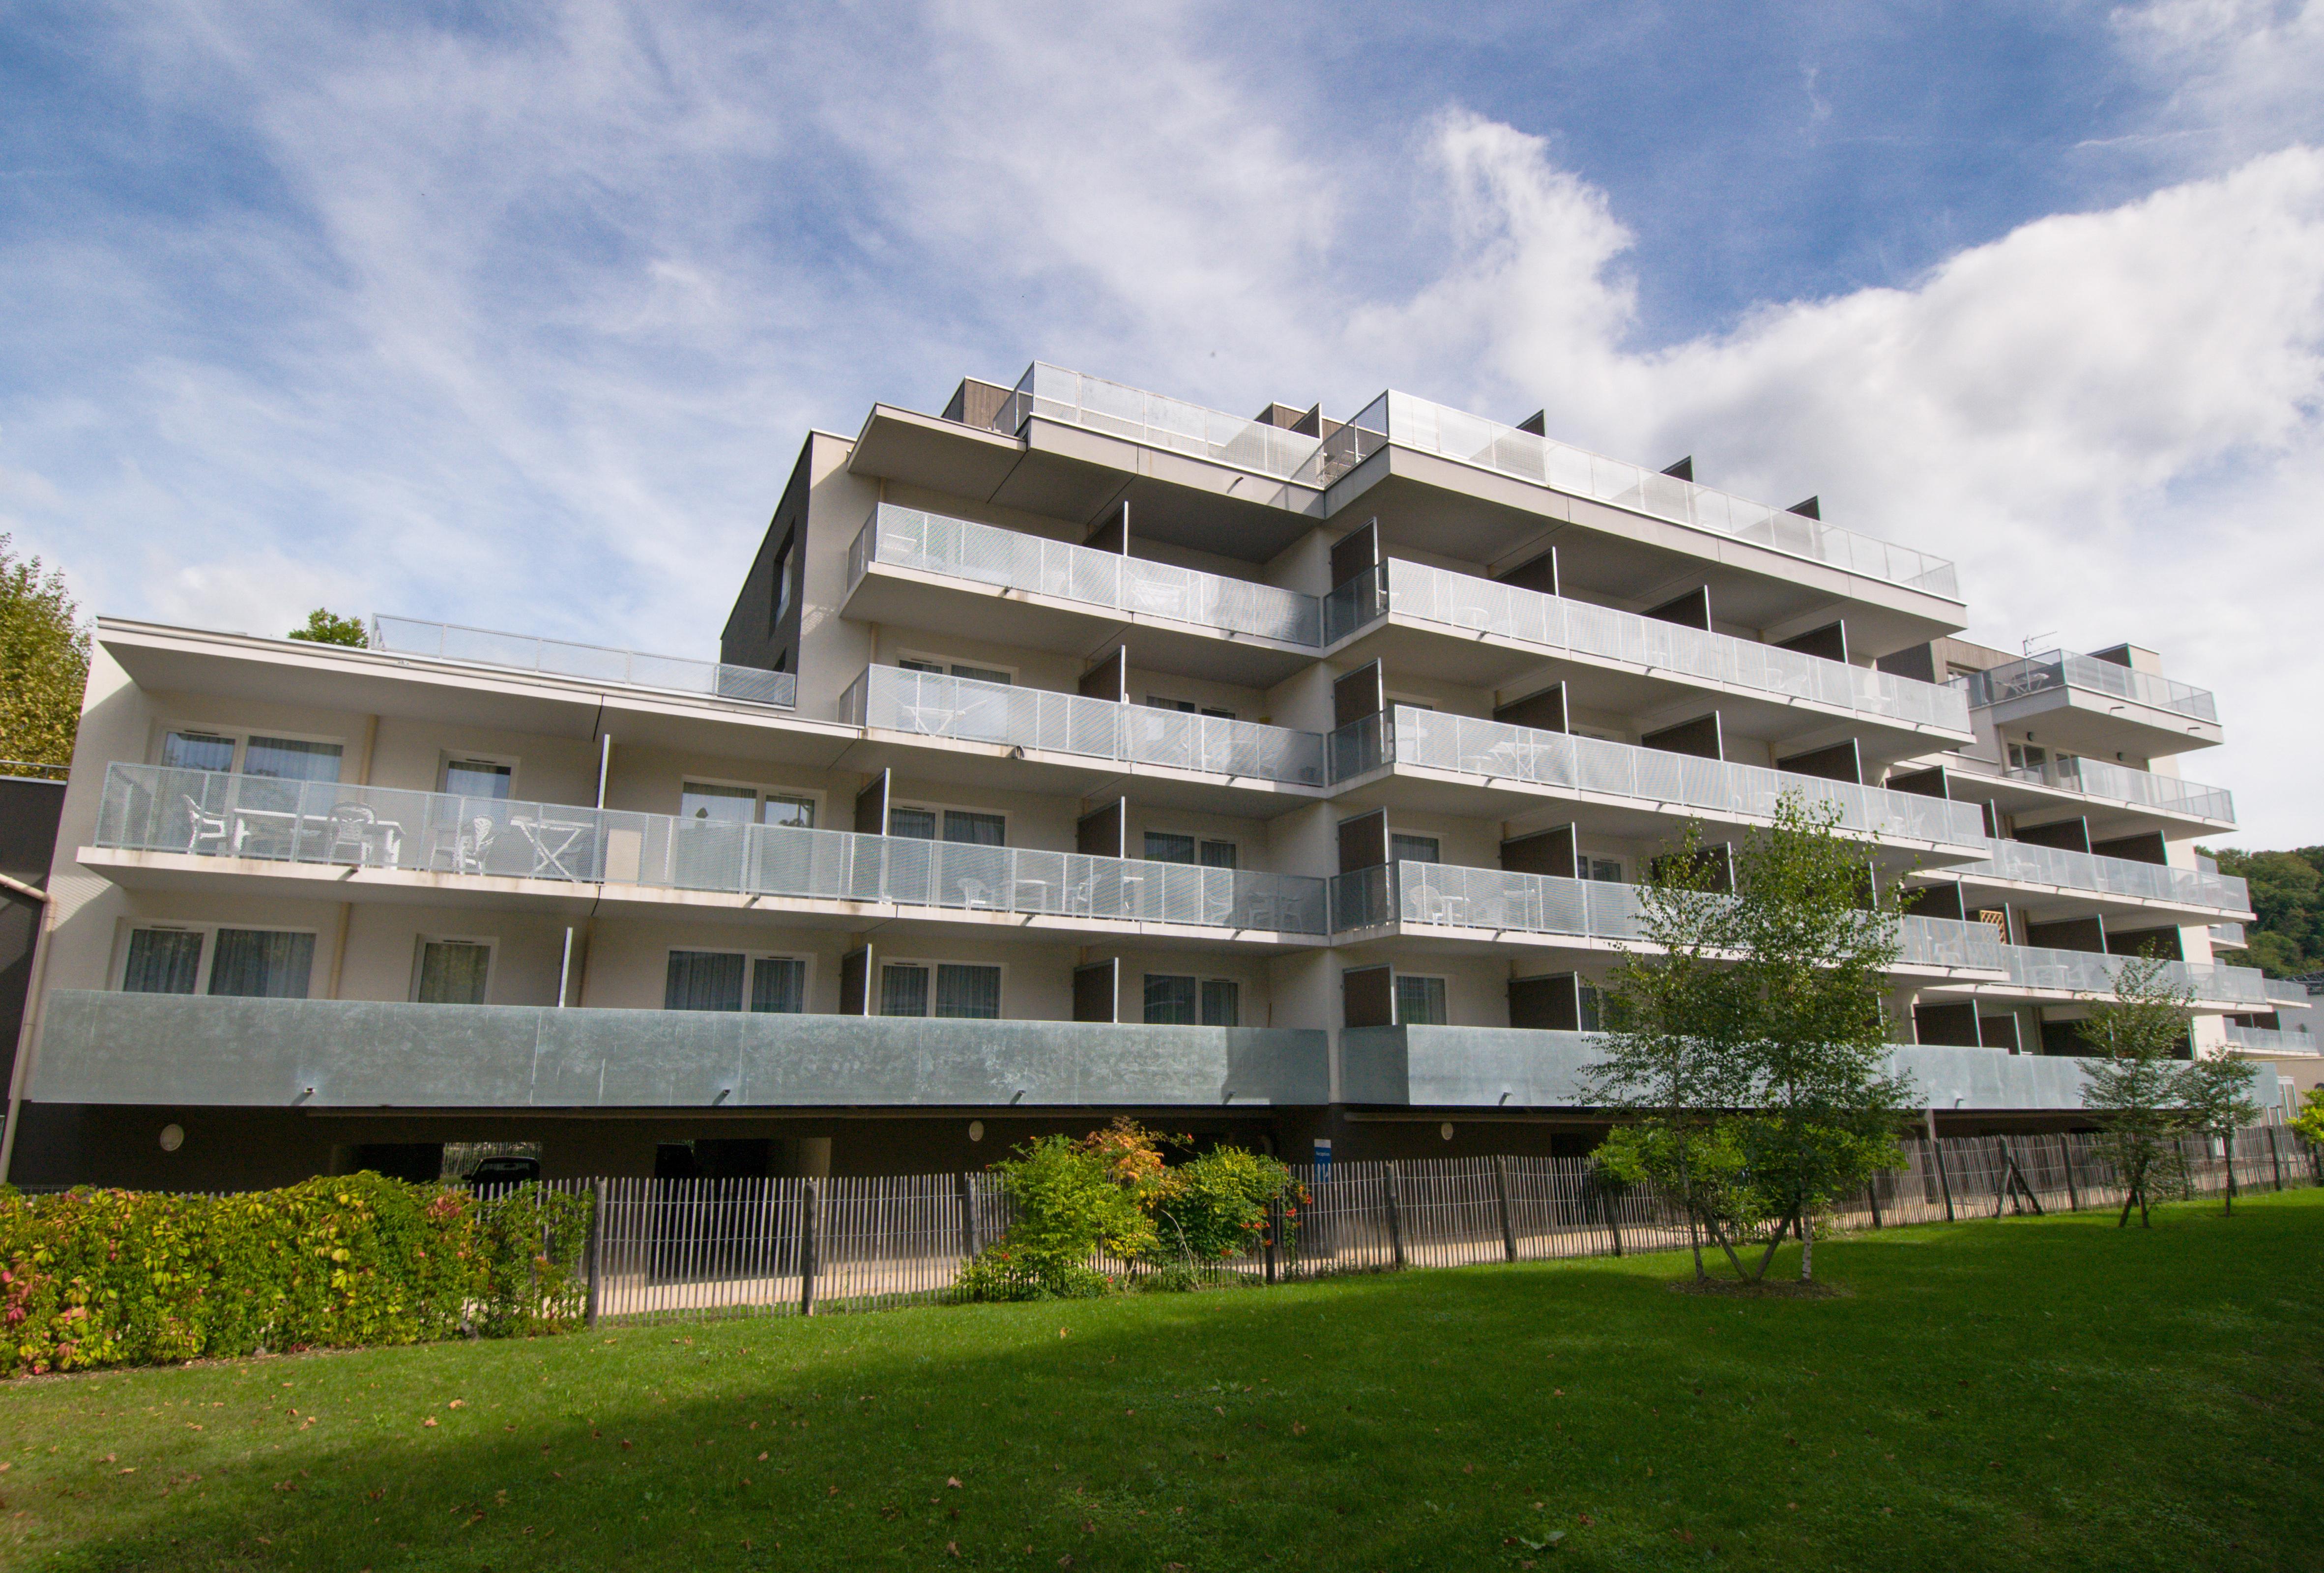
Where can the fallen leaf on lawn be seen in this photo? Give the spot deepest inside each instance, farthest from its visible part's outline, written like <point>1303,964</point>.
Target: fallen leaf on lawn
<point>1557,1392</point>
<point>952,1481</point>
<point>428,1422</point>
<point>458,1403</point>
<point>833,1491</point>
<point>1298,1429</point>
<point>762,1458</point>
<point>625,1442</point>
<point>952,1547</point>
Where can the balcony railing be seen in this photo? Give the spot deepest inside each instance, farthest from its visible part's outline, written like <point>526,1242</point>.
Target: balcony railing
<point>590,662</point>
<point>1449,896</point>
<point>2088,972</point>
<point>2273,1039</point>
<point>2060,669</point>
<point>155,809</point>
<point>1152,421</point>
<point>1008,715</point>
<point>1418,424</point>
<point>1470,605</point>
<point>1496,751</point>
<point>934,544</point>
<point>2022,863</point>
<point>2117,783</point>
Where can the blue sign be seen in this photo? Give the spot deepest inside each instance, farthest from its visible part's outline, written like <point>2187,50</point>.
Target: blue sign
<point>1323,1158</point>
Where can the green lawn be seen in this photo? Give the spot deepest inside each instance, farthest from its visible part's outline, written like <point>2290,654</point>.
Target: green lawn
<point>2047,1393</point>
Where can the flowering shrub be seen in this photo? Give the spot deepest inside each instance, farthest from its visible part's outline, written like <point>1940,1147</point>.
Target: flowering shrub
<point>95,1278</point>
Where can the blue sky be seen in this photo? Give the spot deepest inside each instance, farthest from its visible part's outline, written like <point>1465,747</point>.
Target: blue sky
<point>514,316</point>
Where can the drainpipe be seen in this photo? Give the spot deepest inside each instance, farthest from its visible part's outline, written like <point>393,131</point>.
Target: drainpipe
<point>22,1070</point>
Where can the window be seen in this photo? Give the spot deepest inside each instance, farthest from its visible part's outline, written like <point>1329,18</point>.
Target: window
<point>784,574</point>
<point>920,824</point>
<point>1188,707</point>
<point>271,758</point>
<point>961,991</point>
<point>1218,855</point>
<point>452,972</point>
<point>478,778</point>
<point>779,984</point>
<point>262,964</point>
<point>1413,850</point>
<point>982,674</point>
<point>1174,1001</point>
<point>1606,869</point>
<point>1167,846</point>
<point>703,980</point>
<point>719,803</point>
<point>1592,1004</point>
<point>1419,1001</point>
<point>163,961</point>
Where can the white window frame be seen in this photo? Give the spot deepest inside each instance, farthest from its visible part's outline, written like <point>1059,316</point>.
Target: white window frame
<point>241,736</point>
<point>929,964</point>
<point>947,662</point>
<point>939,810</point>
<point>420,943</point>
<point>759,803</point>
<point>445,758</point>
<point>751,959</point>
<point>208,928</point>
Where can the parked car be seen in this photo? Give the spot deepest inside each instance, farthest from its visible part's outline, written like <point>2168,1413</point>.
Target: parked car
<point>503,1171</point>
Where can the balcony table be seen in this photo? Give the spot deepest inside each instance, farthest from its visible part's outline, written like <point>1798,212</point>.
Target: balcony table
<point>552,842</point>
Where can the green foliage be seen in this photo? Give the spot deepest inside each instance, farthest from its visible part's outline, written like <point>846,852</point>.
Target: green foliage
<point>43,662</point>
<point>2133,1080</point>
<point>1215,1204</point>
<point>2310,1120</point>
<point>1696,1164</point>
<point>2287,896</point>
<point>326,627</point>
<point>96,1278</point>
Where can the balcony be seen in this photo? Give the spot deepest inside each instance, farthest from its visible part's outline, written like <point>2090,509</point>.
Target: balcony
<point>1153,420</point>
<point>2058,669</point>
<point>1048,590</point>
<point>1405,421</point>
<point>1654,782</point>
<point>1471,607</point>
<point>199,1050</point>
<point>2086,972</point>
<point>385,831</point>
<point>1042,720</point>
<point>1504,1067</point>
<point>586,662</point>
<point>1438,895</point>
<point>2113,785</point>
<point>2273,1041</point>
<point>2019,862</point>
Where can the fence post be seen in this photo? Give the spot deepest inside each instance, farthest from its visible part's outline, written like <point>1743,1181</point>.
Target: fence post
<point>2275,1154</point>
<point>970,1246</point>
<point>2073,1193</point>
<point>1872,1195</point>
<point>596,1249</point>
<point>810,1204</point>
<point>1606,1208</point>
<point>1944,1183</point>
<point>1394,1182</point>
<point>1274,1234</point>
<point>1501,1195</point>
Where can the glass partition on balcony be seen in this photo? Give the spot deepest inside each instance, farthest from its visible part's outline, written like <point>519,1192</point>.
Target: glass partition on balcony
<point>934,544</point>
<point>1008,715</point>
<point>2061,669</point>
<point>1428,428</point>
<point>1470,605</point>
<point>1448,895</point>
<point>2273,1039</point>
<point>2099,778</point>
<point>2020,861</point>
<point>155,809</point>
<point>1055,394</point>
<point>1495,751</point>
<point>590,662</point>
<point>2088,972</point>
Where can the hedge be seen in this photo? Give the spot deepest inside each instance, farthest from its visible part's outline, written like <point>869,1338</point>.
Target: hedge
<point>92,1277</point>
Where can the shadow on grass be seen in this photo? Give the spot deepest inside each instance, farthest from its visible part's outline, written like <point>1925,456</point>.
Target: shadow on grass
<point>2051,1391</point>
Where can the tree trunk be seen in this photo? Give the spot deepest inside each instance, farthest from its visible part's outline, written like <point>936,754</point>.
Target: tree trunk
<point>1694,1220</point>
<point>2128,1197</point>
<point>1781,1229</point>
<point>2230,1144</point>
<point>1807,1247</point>
<point>1726,1246</point>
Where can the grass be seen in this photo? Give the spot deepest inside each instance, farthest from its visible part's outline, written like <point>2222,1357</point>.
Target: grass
<point>2042,1393</point>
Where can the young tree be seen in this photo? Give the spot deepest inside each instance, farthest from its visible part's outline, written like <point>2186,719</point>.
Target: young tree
<point>2310,1120</point>
<point>325,627</point>
<point>1675,1024</point>
<point>43,662</point>
<point>1816,937</point>
<point>2215,1102</point>
<point>2134,1081</point>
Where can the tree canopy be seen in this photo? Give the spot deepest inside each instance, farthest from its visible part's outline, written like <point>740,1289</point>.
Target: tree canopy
<point>43,662</point>
<point>325,627</point>
<point>2287,892</point>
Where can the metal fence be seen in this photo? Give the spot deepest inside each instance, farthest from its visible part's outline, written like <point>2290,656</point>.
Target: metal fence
<point>678,1250</point>
<point>2058,669</point>
<point>591,663</point>
<point>2021,862</point>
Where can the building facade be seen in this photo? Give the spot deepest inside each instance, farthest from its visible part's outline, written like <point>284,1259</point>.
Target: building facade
<point>1079,750</point>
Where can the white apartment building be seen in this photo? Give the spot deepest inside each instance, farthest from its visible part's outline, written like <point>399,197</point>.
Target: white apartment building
<point>1079,750</point>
